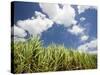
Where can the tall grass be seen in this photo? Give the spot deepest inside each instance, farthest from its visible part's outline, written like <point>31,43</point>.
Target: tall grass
<point>31,56</point>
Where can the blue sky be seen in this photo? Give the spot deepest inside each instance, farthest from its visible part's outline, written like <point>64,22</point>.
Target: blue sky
<point>75,27</point>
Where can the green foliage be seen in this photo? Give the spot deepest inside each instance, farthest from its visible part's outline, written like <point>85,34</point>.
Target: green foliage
<point>31,56</point>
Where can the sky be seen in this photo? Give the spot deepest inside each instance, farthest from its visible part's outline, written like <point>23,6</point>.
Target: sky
<point>75,26</point>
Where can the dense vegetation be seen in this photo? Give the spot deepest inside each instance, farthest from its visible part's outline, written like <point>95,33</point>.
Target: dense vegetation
<point>32,56</point>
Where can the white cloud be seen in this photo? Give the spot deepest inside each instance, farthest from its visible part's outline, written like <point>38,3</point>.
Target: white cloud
<point>82,18</point>
<point>65,15</point>
<point>17,31</point>
<point>82,8</point>
<point>84,37</point>
<point>76,29</point>
<point>89,46</point>
<point>35,26</point>
<point>40,23</point>
<point>39,14</point>
<point>50,9</point>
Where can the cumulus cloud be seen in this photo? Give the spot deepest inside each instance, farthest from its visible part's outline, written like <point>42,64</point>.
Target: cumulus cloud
<point>82,19</point>
<point>76,30</point>
<point>82,8</point>
<point>34,25</point>
<point>84,37</point>
<point>18,32</point>
<point>50,9</point>
<point>89,46</point>
<point>64,15</point>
